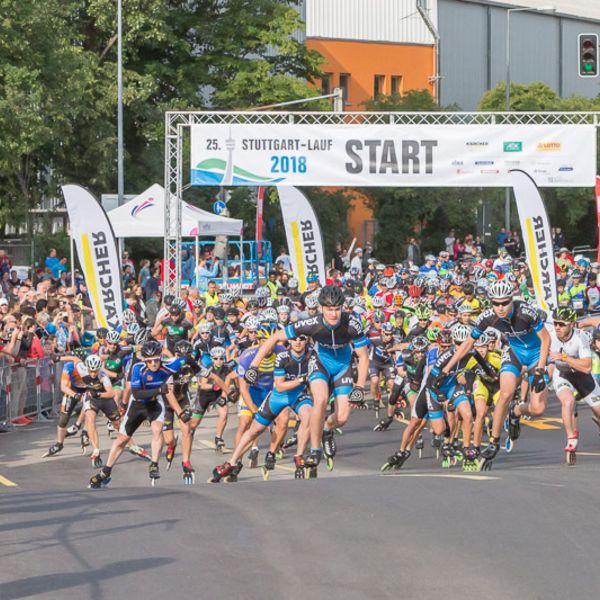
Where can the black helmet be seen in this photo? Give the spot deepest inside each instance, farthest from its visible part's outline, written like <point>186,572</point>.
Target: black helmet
<point>219,312</point>
<point>596,334</point>
<point>151,349</point>
<point>168,299</point>
<point>564,313</point>
<point>80,353</point>
<point>331,295</point>
<point>469,288</point>
<point>183,347</point>
<point>101,333</point>
<point>444,337</point>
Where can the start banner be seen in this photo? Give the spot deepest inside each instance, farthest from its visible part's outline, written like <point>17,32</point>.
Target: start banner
<point>392,155</point>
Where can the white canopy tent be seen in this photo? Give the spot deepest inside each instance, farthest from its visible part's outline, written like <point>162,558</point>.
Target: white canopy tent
<point>144,216</point>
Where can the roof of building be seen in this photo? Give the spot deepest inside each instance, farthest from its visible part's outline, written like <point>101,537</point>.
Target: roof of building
<point>584,9</point>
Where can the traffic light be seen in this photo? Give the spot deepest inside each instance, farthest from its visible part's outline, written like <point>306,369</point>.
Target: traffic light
<point>588,55</point>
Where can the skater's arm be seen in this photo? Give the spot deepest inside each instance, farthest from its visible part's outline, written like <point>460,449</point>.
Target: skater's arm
<point>281,385</point>
<point>245,392</point>
<point>462,351</point>
<point>545,347</point>
<point>583,365</point>
<point>589,322</point>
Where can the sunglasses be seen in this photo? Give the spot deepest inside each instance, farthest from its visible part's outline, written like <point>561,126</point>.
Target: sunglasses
<point>503,303</point>
<point>151,361</point>
<point>300,338</point>
<point>218,358</point>
<point>560,324</point>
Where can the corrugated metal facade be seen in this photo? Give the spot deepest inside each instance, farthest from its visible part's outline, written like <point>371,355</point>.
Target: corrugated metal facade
<point>394,21</point>
<point>543,47</point>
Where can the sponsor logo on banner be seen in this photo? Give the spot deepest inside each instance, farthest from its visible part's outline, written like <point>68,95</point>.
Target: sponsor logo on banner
<point>512,146</point>
<point>463,172</point>
<point>482,163</point>
<point>559,179</point>
<point>490,171</point>
<point>565,168</point>
<point>549,147</point>
<point>477,146</point>
<point>457,163</point>
<point>512,163</point>
<point>136,210</point>
<point>540,171</point>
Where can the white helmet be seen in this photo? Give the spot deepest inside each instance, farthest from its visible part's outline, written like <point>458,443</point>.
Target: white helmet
<point>465,307</point>
<point>205,327</point>
<point>93,362</point>
<point>378,302</point>
<point>293,283</point>
<point>500,289</point>
<point>311,301</point>
<point>217,352</point>
<point>269,314</point>
<point>283,309</point>
<point>113,337</point>
<point>483,340</point>
<point>128,316</point>
<point>252,323</point>
<point>460,332</point>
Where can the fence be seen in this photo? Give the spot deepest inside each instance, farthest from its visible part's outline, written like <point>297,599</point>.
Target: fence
<point>30,389</point>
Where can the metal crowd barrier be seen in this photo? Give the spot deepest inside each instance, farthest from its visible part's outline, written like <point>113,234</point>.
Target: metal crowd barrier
<point>29,389</point>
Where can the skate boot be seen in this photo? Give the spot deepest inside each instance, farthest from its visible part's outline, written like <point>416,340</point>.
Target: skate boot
<point>329,448</point>
<point>514,423</point>
<point>221,471</point>
<point>189,475</point>
<point>253,458</point>
<point>54,449</point>
<point>488,455</point>
<point>446,454</point>
<point>85,441</point>
<point>96,460</point>
<point>396,461</point>
<point>456,453</point>
<point>73,430</point>
<point>471,455</point>
<point>269,465</point>
<point>280,453</point>
<point>235,471</point>
<point>101,479</point>
<point>219,444</point>
<point>419,445</point>
<point>436,442</point>
<point>383,424</point>
<point>110,429</point>
<point>299,464</point>
<point>291,441</point>
<point>153,473</point>
<point>170,455</point>
<point>139,452</point>
<point>312,462</point>
<point>571,449</point>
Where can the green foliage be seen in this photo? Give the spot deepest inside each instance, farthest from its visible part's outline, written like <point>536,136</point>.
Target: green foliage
<point>58,83</point>
<point>413,100</point>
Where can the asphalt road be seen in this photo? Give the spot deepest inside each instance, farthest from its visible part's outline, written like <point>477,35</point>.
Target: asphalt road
<point>525,530</point>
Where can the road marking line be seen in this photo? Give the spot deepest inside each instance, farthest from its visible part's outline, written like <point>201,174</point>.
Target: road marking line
<point>588,453</point>
<point>213,447</point>
<point>543,423</point>
<point>7,482</point>
<point>444,476</point>
<point>286,468</point>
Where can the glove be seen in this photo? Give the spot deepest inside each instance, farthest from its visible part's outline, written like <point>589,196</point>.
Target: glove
<point>76,397</point>
<point>222,401</point>
<point>437,380</point>
<point>164,388</point>
<point>414,386</point>
<point>185,415</point>
<point>95,394</point>
<point>233,396</point>
<point>540,380</point>
<point>357,395</point>
<point>251,375</point>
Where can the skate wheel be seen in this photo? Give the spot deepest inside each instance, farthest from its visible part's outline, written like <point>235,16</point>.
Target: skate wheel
<point>169,463</point>
<point>505,425</point>
<point>571,458</point>
<point>153,482</point>
<point>265,473</point>
<point>437,454</point>
<point>508,445</point>
<point>329,462</point>
<point>420,453</point>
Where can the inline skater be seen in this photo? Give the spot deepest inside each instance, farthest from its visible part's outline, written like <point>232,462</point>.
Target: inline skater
<point>150,380</point>
<point>99,396</point>
<point>254,391</point>
<point>572,377</point>
<point>72,388</point>
<point>334,333</point>
<point>528,343</point>
<point>174,325</point>
<point>290,380</point>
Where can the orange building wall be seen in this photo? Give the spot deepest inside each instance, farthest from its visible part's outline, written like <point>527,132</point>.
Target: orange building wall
<point>362,61</point>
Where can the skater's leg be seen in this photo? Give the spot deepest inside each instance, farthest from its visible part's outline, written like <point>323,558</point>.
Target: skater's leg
<point>466,414</point>
<point>222,413</point>
<point>536,406</point>
<point>244,422</point>
<point>342,412</point>
<point>280,429</point>
<point>248,438</point>
<point>304,413</point>
<point>567,401</point>
<point>157,440</point>
<point>186,441</point>
<point>117,449</point>
<point>480,412</point>
<point>90,425</point>
<point>508,384</point>
<point>320,393</point>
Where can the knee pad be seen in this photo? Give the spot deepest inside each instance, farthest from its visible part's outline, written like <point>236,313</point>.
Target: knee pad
<point>395,394</point>
<point>63,420</point>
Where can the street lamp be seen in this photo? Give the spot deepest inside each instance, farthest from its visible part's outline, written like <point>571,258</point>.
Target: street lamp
<point>544,9</point>
<point>120,175</point>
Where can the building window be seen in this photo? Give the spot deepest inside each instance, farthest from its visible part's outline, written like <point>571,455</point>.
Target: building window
<point>345,85</point>
<point>378,86</point>
<point>326,84</point>
<point>396,85</point>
